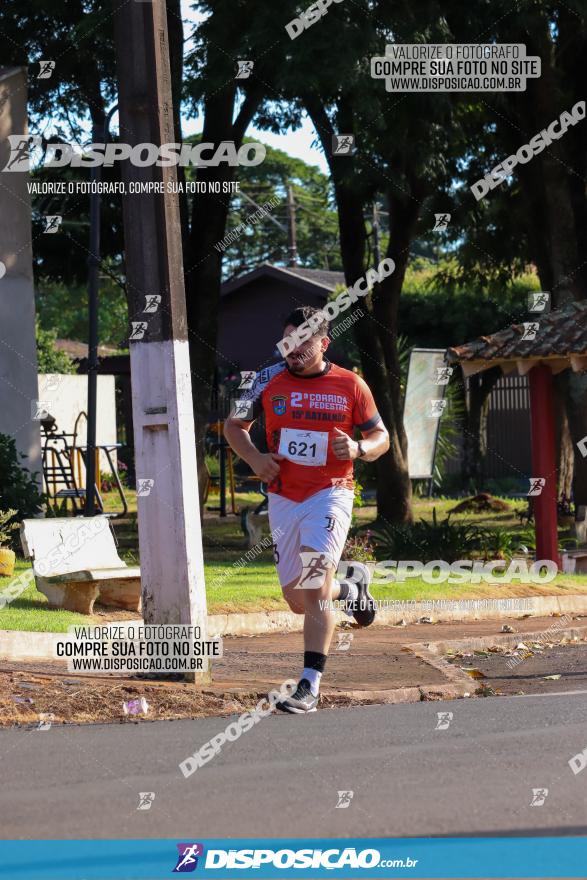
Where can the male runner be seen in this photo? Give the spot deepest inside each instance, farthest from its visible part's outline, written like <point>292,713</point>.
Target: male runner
<point>311,408</point>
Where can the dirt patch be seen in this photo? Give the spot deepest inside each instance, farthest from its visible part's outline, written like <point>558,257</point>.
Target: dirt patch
<point>28,695</point>
<point>105,614</point>
<point>480,503</point>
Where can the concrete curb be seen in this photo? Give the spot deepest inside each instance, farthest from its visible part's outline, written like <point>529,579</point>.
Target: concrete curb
<point>441,610</point>
<point>459,684</point>
<point>16,645</point>
<point>404,694</point>
<point>462,683</point>
<point>255,623</point>
<point>508,640</point>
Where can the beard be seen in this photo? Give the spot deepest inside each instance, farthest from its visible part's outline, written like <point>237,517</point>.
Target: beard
<point>296,365</point>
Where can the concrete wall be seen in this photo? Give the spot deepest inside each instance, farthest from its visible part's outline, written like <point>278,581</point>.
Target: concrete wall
<point>18,358</point>
<point>65,396</point>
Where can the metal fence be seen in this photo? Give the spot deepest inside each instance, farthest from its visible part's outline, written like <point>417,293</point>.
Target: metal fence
<point>508,432</point>
<point>508,429</point>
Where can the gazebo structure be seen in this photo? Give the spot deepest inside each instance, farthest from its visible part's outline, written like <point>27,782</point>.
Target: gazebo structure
<point>539,348</point>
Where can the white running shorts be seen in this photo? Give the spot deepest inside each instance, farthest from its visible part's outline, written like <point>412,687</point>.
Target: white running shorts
<point>321,522</point>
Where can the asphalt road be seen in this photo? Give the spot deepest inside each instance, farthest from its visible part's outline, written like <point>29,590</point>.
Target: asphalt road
<point>282,777</point>
<point>534,675</point>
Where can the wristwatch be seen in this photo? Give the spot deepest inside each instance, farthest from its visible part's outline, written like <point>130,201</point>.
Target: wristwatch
<point>361,450</point>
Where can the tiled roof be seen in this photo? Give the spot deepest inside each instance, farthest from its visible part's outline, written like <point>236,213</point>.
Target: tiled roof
<point>318,276</point>
<point>79,350</point>
<point>561,333</point>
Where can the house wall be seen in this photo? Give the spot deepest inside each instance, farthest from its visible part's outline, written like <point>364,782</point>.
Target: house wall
<point>65,396</point>
<point>251,318</point>
<point>18,357</point>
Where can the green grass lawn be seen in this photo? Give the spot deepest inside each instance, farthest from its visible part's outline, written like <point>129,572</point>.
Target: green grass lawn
<point>30,611</point>
<point>254,586</point>
<point>423,509</point>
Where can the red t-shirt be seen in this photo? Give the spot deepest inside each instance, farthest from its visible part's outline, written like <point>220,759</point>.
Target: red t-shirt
<point>301,413</point>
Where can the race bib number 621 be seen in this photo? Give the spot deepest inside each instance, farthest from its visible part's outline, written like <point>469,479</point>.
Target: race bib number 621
<point>304,447</point>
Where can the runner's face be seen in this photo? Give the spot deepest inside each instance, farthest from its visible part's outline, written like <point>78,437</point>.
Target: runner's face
<point>307,357</point>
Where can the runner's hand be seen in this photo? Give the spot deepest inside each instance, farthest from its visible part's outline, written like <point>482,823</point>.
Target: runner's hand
<point>266,466</point>
<point>343,446</point>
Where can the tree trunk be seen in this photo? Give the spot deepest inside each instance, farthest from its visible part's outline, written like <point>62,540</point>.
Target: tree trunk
<point>575,385</point>
<point>395,494</point>
<point>204,270</point>
<point>479,387</point>
<point>176,46</point>
<point>379,359</point>
<point>564,442</point>
<point>204,274</point>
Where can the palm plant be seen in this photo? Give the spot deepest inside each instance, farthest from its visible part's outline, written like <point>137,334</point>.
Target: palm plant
<point>425,541</point>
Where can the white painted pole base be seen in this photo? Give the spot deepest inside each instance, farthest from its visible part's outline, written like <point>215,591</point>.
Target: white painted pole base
<point>170,537</point>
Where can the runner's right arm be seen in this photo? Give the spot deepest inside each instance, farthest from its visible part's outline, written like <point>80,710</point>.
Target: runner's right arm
<point>237,432</point>
<point>264,465</point>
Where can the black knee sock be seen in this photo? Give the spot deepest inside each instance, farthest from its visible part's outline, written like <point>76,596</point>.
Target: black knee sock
<point>314,660</point>
<point>314,664</point>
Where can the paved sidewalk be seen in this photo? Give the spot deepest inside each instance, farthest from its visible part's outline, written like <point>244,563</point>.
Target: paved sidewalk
<point>381,664</point>
<point>376,658</point>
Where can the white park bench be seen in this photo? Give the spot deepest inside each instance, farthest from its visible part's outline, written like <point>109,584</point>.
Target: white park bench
<point>75,560</point>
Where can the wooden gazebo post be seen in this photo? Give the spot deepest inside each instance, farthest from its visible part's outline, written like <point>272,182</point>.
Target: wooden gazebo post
<point>542,416</point>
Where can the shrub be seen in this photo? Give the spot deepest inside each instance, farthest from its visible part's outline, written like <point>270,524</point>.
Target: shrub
<point>498,543</point>
<point>18,489</point>
<point>49,358</point>
<point>359,548</point>
<point>6,527</point>
<point>424,541</point>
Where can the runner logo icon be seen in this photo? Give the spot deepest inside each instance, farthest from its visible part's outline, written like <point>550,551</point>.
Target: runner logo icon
<point>314,569</point>
<point>187,859</point>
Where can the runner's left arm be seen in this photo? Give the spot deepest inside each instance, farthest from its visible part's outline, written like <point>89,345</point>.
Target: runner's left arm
<point>370,424</point>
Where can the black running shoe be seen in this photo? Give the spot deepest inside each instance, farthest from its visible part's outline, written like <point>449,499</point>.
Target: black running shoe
<point>302,701</point>
<point>364,608</point>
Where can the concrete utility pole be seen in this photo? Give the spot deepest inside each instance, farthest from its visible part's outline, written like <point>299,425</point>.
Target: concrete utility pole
<point>99,135</point>
<point>170,540</point>
<point>291,227</point>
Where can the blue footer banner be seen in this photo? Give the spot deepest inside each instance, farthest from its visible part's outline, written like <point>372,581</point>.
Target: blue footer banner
<point>509,857</point>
